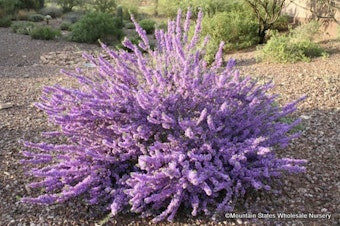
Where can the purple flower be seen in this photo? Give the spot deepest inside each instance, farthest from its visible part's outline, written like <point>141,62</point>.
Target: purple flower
<point>151,132</point>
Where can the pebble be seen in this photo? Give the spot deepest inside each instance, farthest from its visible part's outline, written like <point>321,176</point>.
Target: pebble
<point>6,105</point>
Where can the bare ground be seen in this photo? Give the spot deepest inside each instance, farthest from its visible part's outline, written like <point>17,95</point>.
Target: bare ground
<point>28,65</point>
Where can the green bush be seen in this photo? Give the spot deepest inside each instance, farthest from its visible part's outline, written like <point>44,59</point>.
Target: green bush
<point>236,28</point>
<point>36,17</point>
<point>148,25</point>
<point>72,17</point>
<point>52,11</point>
<point>308,31</point>
<point>5,22</point>
<point>94,26</point>
<point>162,26</point>
<point>130,7</point>
<point>129,25</point>
<point>287,48</point>
<point>65,26</point>
<point>45,33</point>
<point>105,6</point>
<point>9,7</point>
<point>23,28</point>
<point>282,23</point>
<point>67,5</point>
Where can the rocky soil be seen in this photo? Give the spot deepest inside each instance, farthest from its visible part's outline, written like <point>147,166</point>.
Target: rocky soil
<point>28,65</point>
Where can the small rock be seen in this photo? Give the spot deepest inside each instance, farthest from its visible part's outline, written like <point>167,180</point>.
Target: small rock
<point>6,105</point>
<point>26,75</point>
<point>239,221</point>
<point>305,117</point>
<point>324,210</point>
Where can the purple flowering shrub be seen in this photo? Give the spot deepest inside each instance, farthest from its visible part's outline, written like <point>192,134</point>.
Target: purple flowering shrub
<point>153,132</point>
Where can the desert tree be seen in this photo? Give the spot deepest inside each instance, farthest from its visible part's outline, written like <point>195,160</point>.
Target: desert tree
<point>267,13</point>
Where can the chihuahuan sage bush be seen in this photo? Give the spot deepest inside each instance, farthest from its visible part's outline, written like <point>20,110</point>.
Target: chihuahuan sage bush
<point>152,132</point>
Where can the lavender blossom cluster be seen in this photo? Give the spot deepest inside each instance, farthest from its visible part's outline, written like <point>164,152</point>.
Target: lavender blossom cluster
<point>150,132</point>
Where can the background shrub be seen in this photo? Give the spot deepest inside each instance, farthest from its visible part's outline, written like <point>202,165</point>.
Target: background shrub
<point>67,5</point>
<point>36,17</point>
<point>129,25</point>
<point>23,27</point>
<point>54,12</point>
<point>65,26</point>
<point>298,45</point>
<point>281,24</point>
<point>5,22</point>
<point>148,25</point>
<point>45,33</point>
<point>236,28</point>
<point>9,7</point>
<point>129,7</point>
<point>94,26</point>
<point>153,132</point>
<point>24,14</point>
<point>73,17</point>
<point>105,6</point>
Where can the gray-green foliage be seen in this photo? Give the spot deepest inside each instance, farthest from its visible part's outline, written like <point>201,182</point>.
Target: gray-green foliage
<point>54,12</point>
<point>36,17</point>
<point>94,26</point>
<point>105,6</point>
<point>9,7</point>
<point>209,7</point>
<point>45,33</point>
<point>237,28</point>
<point>119,14</point>
<point>130,7</point>
<point>23,27</point>
<point>298,45</point>
<point>72,17</point>
<point>148,25</point>
<point>67,5</point>
<point>5,22</point>
<point>65,26</point>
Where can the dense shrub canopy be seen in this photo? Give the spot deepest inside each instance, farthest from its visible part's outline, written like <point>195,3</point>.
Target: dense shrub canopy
<point>151,132</point>
<point>94,26</point>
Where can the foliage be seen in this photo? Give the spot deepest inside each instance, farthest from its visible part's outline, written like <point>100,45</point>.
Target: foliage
<point>72,17</point>
<point>94,26</point>
<point>161,130</point>
<point>236,28</point>
<point>282,23</point>
<point>52,11</point>
<point>129,25</point>
<point>267,13</point>
<point>30,4</point>
<point>130,7</point>
<point>22,27</point>
<point>65,26</point>
<point>24,14</point>
<point>45,33</point>
<point>67,5</point>
<point>9,7</point>
<point>209,7</point>
<point>308,31</point>
<point>119,14</point>
<point>5,22</point>
<point>148,25</point>
<point>105,6</point>
<point>36,17</point>
<point>298,45</point>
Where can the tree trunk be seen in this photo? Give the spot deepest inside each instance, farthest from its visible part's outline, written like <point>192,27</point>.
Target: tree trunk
<point>262,34</point>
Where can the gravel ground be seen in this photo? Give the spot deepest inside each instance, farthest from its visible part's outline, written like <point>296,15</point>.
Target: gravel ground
<point>27,65</point>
